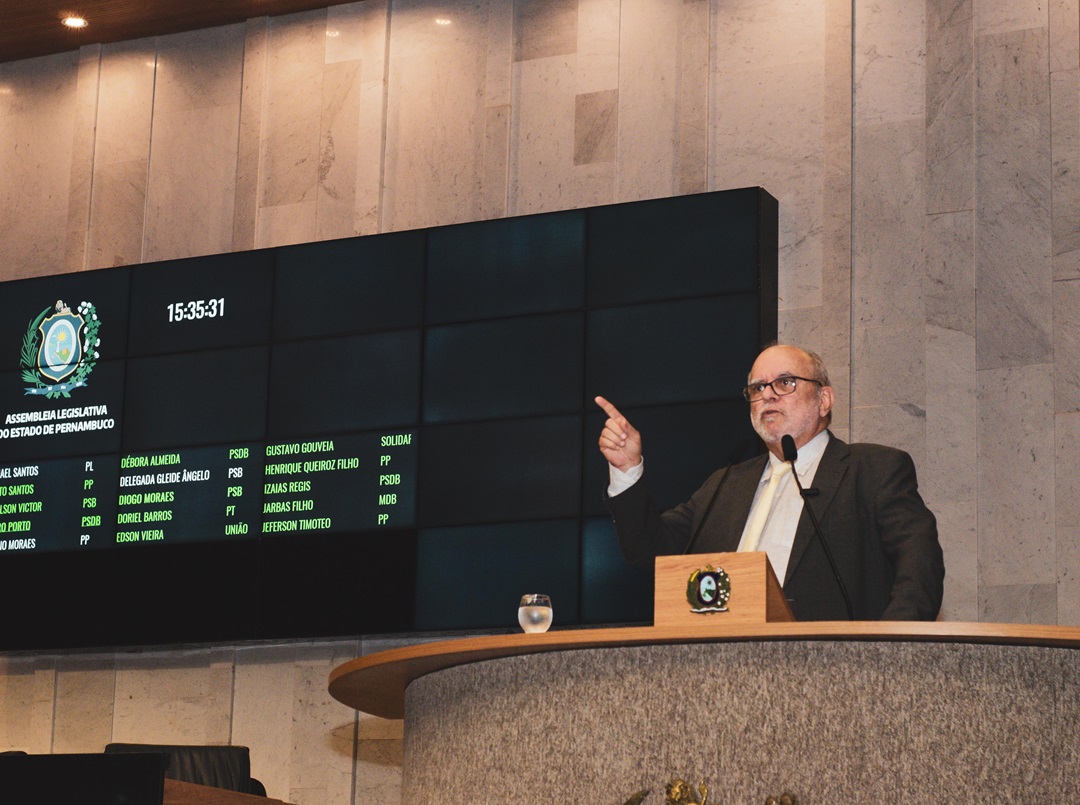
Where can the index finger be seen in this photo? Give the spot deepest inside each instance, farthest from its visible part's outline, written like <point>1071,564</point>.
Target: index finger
<point>609,409</point>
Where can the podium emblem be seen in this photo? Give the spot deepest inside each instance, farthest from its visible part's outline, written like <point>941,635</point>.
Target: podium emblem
<point>708,590</point>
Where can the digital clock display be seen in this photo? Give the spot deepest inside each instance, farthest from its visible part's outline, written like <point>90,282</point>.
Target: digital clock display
<point>308,440</point>
<point>193,311</point>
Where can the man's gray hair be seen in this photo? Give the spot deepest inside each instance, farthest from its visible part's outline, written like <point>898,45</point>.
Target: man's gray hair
<point>817,363</point>
<point>820,373</point>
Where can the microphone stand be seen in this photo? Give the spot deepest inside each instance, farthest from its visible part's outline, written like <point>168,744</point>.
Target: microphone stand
<point>790,454</point>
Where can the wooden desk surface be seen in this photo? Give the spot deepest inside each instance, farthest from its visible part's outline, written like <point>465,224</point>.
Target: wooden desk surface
<point>181,793</point>
<point>376,683</point>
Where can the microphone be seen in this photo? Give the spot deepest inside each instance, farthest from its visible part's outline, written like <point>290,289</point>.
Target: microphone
<point>787,444</point>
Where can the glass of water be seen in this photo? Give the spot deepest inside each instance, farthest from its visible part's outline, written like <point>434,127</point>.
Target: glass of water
<point>534,612</point>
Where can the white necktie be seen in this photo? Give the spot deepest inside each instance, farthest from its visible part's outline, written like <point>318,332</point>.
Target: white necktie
<point>763,507</point>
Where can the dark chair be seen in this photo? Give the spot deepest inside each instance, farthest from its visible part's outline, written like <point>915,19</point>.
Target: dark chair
<point>227,767</point>
<point>86,779</point>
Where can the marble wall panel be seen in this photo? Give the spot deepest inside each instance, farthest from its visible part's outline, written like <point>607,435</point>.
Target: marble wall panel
<point>495,179</point>
<point>121,154</point>
<point>1068,578</point>
<point>564,105</point>
<point>542,135</point>
<point>889,61</point>
<point>545,29</point>
<point>1016,491</point>
<point>498,113</point>
<point>264,696</point>
<point>766,127</point>
<point>1067,516</point>
<point>42,699</point>
<point>1014,267</point>
<point>38,120</point>
<point>901,426</point>
<point>85,688</point>
<point>291,129</point>
<point>597,77</point>
<point>593,184</point>
<point>598,43</point>
<point>323,730</point>
<point>1067,476</point>
<point>1064,23</point>
<point>959,536</point>
<point>343,145</point>
<point>498,76</point>
<point>246,193</point>
<point>1002,16</point>
<point>378,771</point>
<point>1064,43</point>
<point>889,367</point>
<point>595,118</point>
<point>82,157</point>
<point>950,113</point>
<point>803,327</point>
<point>195,125</point>
<point>763,33</point>
<point>889,203</point>
<point>362,36</point>
<point>779,147</point>
<point>1018,603</point>
<point>307,757</point>
<point>435,116</point>
<point>663,74</point>
<point>949,281</point>
<point>1065,179</point>
<point>951,416</point>
<point>190,212</point>
<point>888,264</point>
<point>948,477</point>
<point>339,149</point>
<point>1066,377</point>
<point>835,310</point>
<point>692,124</point>
<point>25,709</point>
<point>171,697</point>
<point>116,216</point>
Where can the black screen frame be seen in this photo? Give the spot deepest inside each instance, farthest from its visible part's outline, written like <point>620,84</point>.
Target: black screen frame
<point>687,286</point>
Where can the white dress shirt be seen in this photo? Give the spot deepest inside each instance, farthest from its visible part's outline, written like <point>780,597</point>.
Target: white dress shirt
<point>779,533</point>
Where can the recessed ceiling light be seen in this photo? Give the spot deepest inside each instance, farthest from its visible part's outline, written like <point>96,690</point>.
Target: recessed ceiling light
<point>441,21</point>
<point>74,21</point>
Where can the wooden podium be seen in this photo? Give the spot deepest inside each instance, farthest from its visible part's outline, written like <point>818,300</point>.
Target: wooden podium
<point>749,699</point>
<point>756,595</point>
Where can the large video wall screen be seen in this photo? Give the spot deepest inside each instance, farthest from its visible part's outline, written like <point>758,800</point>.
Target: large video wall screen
<point>383,434</point>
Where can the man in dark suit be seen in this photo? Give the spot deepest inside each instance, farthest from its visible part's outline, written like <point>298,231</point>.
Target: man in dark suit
<point>882,537</point>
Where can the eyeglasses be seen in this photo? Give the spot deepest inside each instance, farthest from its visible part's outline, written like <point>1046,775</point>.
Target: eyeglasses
<point>781,387</point>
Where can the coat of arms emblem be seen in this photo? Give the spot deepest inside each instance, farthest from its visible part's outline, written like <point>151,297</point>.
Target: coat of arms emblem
<point>59,349</point>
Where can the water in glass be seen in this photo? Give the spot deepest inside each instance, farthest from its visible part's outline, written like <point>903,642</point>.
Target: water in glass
<point>534,613</point>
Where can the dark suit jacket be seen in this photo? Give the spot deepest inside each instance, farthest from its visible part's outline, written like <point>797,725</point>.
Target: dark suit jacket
<point>881,534</point>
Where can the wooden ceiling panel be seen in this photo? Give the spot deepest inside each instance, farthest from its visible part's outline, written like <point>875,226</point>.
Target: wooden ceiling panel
<point>31,28</point>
